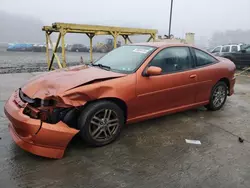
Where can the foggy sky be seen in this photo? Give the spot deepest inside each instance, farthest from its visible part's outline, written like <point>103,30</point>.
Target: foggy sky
<point>202,17</point>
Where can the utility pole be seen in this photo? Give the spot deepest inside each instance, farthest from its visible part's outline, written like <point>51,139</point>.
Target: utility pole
<point>170,19</point>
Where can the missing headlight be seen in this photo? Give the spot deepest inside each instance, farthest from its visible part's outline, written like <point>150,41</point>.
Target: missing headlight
<point>53,116</point>
<point>46,103</point>
<point>43,103</point>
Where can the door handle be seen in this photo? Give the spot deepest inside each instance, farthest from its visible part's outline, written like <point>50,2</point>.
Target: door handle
<point>193,76</point>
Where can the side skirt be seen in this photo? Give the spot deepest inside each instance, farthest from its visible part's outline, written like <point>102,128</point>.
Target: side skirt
<point>165,112</point>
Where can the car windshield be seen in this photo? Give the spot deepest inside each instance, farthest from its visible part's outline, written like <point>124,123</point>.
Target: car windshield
<point>125,59</point>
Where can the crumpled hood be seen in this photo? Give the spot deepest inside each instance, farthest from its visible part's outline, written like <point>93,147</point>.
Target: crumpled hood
<point>61,80</point>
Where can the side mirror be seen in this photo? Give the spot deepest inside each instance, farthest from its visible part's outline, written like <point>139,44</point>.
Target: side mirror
<point>243,51</point>
<point>153,71</point>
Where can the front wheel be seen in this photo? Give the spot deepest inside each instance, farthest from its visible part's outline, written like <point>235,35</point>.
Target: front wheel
<point>100,123</point>
<point>218,96</point>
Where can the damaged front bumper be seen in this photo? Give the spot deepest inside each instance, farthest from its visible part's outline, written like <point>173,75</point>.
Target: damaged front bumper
<point>35,136</point>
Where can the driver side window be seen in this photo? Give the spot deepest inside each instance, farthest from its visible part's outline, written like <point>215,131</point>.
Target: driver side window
<point>173,59</point>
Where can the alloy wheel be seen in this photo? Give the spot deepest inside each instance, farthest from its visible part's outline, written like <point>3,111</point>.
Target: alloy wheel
<point>219,96</point>
<point>104,125</point>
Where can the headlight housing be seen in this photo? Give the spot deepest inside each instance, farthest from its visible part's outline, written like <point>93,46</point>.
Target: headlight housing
<point>36,102</point>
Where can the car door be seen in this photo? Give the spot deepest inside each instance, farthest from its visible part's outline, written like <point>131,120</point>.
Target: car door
<point>206,71</point>
<point>174,88</point>
<point>241,58</point>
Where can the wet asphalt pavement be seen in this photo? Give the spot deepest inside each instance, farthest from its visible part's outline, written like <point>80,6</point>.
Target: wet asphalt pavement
<point>150,154</point>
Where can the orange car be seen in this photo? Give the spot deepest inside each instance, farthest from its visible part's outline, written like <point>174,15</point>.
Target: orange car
<point>129,84</point>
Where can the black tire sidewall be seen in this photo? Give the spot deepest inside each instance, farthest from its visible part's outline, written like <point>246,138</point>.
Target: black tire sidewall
<point>86,116</point>
<point>211,106</point>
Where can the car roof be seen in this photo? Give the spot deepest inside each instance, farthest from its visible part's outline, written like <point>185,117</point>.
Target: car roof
<point>159,44</point>
<point>231,45</point>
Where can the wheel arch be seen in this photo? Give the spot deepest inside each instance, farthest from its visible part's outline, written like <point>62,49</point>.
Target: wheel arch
<point>121,103</point>
<point>226,80</point>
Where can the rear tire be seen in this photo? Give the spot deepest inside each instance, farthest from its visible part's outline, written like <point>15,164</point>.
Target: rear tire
<point>100,123</point>
<point>218,96</point>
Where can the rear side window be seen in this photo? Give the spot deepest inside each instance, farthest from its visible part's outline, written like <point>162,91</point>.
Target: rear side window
<point>247,49</point>
<point>234,49</point>
<point>203,58</point>
<point>225,49</point>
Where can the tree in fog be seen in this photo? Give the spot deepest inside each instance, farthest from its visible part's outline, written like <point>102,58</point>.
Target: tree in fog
<point>230,36</point>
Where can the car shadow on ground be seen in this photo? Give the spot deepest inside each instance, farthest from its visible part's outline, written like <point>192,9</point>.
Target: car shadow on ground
<point>133,131</point>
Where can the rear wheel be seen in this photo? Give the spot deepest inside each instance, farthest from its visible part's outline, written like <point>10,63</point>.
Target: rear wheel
<point>100,123</point>
<point>218,96</point>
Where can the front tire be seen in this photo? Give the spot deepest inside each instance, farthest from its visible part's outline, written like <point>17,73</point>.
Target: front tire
<point>100,123</point>
<point>218,96</point>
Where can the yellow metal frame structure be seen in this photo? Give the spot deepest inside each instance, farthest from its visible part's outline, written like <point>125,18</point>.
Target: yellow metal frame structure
<point>90,31</point>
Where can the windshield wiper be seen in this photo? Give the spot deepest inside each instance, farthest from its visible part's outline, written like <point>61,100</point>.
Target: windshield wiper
<point>101,66</point>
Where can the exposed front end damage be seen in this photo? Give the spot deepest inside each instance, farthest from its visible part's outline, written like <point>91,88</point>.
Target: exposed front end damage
<point>42,129</point>
<point>43,113</point>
